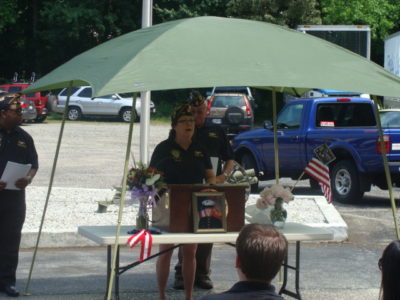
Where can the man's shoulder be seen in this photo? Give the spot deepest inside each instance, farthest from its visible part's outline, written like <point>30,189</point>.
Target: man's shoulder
<point>22,132</point>
<point>246,290</point>
<point>256,295</point>
<point>164,144</point>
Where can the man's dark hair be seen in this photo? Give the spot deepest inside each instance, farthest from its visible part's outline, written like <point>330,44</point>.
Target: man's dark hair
<point>389,264</point>
<point>261,250</point>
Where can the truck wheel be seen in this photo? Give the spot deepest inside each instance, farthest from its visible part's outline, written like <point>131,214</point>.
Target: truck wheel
<point>125,114</point>
<point>344,182</point>
<point>248,162</point>
<point>74,113</point>
<point>40,119</point>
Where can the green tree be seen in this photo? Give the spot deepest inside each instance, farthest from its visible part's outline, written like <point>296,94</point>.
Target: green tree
<point>42,34</point>
<point>283,12</point>
<point>72,27</point>
<point>381,15</point>
<point>167,10</point>
<point>8,13</point>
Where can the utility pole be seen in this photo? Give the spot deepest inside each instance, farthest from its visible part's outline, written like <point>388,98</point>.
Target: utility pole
<point>147,21</point>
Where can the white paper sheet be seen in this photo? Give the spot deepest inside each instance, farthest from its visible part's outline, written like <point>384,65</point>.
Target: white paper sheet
<point>214,163</point>
<point>12,172</point>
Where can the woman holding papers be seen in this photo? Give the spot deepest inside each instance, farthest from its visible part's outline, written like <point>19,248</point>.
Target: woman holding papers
<point>17,151</point>
<point>182,161</point>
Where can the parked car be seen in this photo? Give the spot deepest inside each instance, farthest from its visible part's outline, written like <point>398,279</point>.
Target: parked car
<point>29,112</point>
<point>39,98</point>
<point>233,112</point>
<point>82,104</point>
<point>390,118</point>
<point>232,89</point>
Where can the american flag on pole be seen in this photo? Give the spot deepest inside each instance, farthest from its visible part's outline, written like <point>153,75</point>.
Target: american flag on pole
<point>320,172</point>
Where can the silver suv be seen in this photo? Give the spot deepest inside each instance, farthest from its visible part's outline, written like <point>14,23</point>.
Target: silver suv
<point>82,104</point>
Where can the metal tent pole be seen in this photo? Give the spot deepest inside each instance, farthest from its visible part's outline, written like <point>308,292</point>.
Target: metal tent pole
<point>386,167</point>
<point>276,146</point>
<point>26,290</point>
<point>145,96</point>
<point>122,201</point>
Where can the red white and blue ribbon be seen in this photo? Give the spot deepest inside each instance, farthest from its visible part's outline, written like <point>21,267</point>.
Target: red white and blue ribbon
<point>146,239</point>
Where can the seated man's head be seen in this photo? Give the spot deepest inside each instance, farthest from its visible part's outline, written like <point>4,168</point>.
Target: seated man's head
<point>260,252</point>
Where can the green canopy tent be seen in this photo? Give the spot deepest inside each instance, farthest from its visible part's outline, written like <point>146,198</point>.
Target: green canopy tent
<point>213,51</point>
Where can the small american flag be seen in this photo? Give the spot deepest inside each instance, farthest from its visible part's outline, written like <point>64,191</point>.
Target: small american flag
<point>320,172</point>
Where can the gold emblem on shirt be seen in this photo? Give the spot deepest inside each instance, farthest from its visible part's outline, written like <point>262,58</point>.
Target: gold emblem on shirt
<point>198,154</point>
<point>176,155</point>
<point>212,135</point>
<point>21,144</point>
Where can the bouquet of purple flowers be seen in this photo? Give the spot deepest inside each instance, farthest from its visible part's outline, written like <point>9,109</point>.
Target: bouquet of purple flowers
<point>144,184</point>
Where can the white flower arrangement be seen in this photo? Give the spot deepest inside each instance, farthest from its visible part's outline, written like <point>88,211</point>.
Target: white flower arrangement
<point>268,196</point>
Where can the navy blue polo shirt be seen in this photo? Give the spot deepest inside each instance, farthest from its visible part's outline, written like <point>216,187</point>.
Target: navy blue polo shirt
<point>17,146</point>
<point>216,143</point>
<point>246,290</point>
<point>178,165</point>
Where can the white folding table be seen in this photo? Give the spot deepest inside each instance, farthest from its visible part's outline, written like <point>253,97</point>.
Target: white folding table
<point>294,232</point>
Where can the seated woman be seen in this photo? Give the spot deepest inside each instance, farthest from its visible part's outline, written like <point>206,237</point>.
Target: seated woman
<point>389,265</point>
<point>182,162</point>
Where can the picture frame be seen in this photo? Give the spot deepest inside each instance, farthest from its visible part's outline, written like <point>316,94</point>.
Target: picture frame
<point>209,212</point>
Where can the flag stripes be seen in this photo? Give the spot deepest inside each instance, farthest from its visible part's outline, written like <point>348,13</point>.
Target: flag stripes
<point>146,240</point>
<point>320,172</point>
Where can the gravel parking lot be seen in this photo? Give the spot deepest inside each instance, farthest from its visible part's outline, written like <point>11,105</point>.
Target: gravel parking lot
<point>92,156</point>
<point>92,153</point>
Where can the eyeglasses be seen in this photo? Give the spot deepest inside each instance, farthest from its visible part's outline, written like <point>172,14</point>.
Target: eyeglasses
<point>190,121</point>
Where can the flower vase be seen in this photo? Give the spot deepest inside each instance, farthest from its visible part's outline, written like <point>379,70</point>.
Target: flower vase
<point>142,219</point>
<point>278,214</point>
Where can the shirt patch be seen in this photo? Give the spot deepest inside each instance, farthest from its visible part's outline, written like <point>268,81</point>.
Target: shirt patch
<point>213,135</point>
<point>198,154</point>
<point>21,144</point>
<point>176,155</point>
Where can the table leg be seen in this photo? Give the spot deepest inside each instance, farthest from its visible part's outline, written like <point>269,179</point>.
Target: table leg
<point>298,269</point>
<point>108,269</point>
<point>117,276</point>
<point>109,258</point>
<point>285,273</point>
<point>286,266</point>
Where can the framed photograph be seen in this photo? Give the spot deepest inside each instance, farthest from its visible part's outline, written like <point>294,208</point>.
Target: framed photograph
<point>209,212</point>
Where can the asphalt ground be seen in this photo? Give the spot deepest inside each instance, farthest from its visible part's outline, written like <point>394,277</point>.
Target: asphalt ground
<point>92,156</point>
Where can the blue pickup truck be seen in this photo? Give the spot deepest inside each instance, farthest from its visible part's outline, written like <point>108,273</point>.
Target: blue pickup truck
<point>346,124</point>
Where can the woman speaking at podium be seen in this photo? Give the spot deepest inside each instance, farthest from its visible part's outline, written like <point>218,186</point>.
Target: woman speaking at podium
<point>182,161</point>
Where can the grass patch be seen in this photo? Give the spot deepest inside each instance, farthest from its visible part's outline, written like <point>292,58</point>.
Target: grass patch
<point>54,117</point>
<point>57,118</point>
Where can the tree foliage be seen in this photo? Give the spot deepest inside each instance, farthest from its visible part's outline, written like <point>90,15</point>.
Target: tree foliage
<point>381,15</point>
<point>282,12</point>
<point>39,35</point>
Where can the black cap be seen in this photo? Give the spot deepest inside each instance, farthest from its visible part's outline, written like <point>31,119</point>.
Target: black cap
<point>181,110</point>
<point>8,99</point>
<point>196,99</point>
